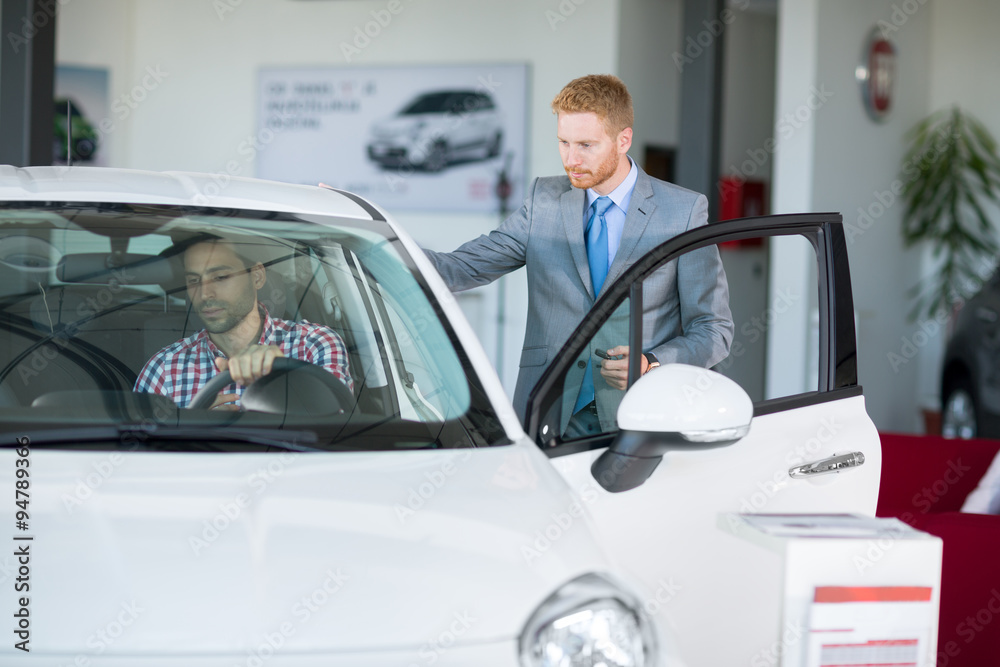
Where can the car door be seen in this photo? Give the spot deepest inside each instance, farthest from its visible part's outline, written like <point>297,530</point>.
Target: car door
<point>716,594</point>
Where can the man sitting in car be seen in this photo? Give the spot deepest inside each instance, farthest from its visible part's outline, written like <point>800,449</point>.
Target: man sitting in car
<point>239,335</point>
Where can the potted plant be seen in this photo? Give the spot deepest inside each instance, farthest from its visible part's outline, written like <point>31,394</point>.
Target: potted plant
<point>952,173</point>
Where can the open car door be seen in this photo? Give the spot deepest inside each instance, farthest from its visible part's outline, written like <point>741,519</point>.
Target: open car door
<point>657,507</point>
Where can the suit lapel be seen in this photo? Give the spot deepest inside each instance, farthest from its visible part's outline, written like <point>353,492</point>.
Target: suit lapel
<point>571,207</point>
<point>640,209</point>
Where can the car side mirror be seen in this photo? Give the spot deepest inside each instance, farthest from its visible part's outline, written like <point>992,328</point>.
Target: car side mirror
<point>674,407</point>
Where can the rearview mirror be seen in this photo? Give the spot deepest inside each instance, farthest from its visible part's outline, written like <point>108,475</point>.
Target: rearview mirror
<point>674,407</point>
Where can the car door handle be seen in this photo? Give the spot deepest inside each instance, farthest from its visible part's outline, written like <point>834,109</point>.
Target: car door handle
<point>828,465</point>
<point>987,315</point>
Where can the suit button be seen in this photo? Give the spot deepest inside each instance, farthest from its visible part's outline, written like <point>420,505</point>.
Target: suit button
<point>581,364</point>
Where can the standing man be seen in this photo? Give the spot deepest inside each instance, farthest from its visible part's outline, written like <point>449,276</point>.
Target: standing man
<point>579,232</point>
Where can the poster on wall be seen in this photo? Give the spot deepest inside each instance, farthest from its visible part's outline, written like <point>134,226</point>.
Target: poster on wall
<point>81,115</point>
<point>439,138</point>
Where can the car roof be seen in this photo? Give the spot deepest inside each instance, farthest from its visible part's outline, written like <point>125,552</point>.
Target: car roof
<point>176,188</point>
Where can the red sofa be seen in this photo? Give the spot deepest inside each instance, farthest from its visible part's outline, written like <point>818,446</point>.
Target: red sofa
<point>924,481</point>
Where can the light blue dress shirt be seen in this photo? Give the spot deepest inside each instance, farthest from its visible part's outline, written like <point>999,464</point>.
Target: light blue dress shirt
<point>615,217</point>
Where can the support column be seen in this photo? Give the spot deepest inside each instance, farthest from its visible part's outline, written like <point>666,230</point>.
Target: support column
<point>701,99</point>
<point>27,81</point>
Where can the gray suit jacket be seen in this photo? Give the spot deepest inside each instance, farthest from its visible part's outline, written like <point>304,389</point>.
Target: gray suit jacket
<point>686,303</point>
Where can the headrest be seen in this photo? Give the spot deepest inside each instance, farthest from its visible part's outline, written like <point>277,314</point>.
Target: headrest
<point>274,294</point>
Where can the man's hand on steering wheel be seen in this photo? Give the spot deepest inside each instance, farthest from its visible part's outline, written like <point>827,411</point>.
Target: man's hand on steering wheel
<point>249,365</point>
<point>325,393</point>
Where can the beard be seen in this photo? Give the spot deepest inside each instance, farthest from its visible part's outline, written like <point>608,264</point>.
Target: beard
<point>590,179</point>
<point>232,313</point>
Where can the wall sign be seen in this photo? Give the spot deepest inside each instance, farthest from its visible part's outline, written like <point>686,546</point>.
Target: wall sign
<point>91,121</point>
<point>440,138</point>
<point>877,75</point>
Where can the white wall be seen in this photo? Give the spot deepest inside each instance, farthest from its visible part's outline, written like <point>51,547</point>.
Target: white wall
<point>856,171</point>
<point>748,94</point>
<point>202,107</point>
<point>100,33</point>
<point>748,81</point>
<point>214,66</point>
<point>845,162</point>
<point>650,33</point>
<point>793,151</point>
<point>965,54</point>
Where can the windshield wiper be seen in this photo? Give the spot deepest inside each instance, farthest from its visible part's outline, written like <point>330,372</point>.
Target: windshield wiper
<point>146,435</point>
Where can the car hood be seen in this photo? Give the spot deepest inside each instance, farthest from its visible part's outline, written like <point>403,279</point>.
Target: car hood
<point>167,553</point>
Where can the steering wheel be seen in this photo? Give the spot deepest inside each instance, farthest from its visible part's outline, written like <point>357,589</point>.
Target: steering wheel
<point>292,386</point>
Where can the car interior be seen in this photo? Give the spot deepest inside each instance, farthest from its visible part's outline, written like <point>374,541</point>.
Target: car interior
<point>88,293</point>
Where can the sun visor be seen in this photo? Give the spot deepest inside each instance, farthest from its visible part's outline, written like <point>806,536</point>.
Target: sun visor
<point>101,268</point>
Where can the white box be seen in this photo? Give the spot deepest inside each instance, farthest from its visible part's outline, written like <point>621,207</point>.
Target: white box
<point>855,590</point>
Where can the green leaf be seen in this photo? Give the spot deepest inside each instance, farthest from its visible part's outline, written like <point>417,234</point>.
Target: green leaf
<point>952,169</point>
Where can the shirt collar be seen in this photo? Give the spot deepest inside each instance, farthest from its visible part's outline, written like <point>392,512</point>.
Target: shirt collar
<point>267,333</point>
<point>621,195</point>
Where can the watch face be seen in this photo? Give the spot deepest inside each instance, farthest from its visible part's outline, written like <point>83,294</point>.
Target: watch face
<point>877,75</point>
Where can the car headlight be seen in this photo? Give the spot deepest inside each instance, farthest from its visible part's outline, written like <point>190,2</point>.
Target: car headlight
<point>589,622</point>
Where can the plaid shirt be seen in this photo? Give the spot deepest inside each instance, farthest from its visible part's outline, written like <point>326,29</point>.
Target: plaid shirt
<point>178,371</point>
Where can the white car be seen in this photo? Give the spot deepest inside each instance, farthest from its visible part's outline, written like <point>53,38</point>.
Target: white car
<point>407,520</point>
<point>436,129</point>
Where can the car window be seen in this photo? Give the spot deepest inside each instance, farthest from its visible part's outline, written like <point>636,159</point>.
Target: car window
<point>765,303</point>
<point>470,102</point>
<point>98,327</point>
<point>430,103</point>
<point>577,393</point>
<point>768,299</point>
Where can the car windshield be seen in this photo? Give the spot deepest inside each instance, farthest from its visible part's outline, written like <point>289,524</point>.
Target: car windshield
<point>110,323</point>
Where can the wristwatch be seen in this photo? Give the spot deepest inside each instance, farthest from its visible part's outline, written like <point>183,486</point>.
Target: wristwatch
<point>651,360</point>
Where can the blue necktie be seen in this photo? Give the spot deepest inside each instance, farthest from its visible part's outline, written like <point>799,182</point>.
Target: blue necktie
<point>597,257</point>
<point>597,242</point>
